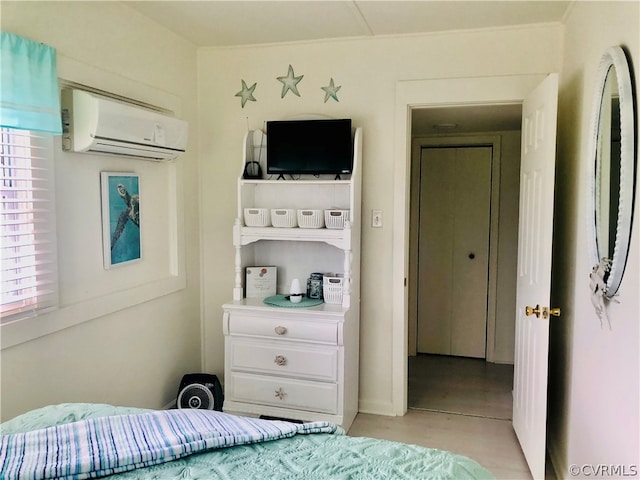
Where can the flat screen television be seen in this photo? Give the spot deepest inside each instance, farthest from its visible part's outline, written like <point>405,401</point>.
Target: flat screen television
<point>313,147</point>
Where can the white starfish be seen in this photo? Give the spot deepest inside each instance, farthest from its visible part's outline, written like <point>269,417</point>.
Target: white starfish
<point>290,82</point>
<point>331,91</point>
<point>246,93</point>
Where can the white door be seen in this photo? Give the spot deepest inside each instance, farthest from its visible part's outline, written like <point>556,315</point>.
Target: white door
<point>453,250</point>
<point>539,112</point>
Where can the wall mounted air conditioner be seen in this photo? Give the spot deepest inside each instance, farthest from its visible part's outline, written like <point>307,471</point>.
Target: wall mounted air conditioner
<point>97,124</point>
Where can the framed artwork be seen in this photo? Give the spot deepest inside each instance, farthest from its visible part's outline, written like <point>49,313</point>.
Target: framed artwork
<point>120,218</point>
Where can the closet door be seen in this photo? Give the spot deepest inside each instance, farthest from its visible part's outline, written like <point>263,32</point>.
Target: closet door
<point>453,250</point>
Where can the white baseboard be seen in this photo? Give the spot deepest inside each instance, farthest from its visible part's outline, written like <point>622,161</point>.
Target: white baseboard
<point>376,408</point>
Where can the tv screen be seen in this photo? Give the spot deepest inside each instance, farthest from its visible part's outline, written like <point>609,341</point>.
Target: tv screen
<point>309,147</point>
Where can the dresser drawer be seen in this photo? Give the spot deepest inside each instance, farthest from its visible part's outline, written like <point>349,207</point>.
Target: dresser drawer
<point>284,358</point>
<point>316,331</point>
<point>283,392</point>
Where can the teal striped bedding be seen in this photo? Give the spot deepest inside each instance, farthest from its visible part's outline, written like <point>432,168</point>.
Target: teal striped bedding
<point>196,444</point>
<point>97,447</point>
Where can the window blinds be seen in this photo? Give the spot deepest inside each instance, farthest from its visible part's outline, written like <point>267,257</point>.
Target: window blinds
<point>27,219</point>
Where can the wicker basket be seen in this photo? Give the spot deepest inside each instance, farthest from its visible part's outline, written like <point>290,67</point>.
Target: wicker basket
<point>310,219</point>
<point>283,217</point>
<point>332,289</point>
<point>256,217</point>
<point>335,218</point>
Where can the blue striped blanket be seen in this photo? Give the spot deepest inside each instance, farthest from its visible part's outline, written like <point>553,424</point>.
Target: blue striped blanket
<point>103,446</point>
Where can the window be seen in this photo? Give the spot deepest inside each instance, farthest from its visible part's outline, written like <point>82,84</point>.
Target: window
<point>27,221</point>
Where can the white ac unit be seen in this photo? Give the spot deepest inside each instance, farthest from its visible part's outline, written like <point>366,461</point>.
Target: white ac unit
<point>97,124</point>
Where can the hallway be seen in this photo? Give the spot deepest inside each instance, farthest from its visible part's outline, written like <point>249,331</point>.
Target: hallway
<point>459,385</point>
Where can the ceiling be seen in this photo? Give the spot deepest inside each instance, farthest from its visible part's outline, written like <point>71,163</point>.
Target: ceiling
<point>229,23</point>
<point>216,23</point>
<point>466,119</point>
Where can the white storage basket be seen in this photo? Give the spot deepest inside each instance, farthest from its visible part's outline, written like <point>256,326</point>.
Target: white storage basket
<point>335,218</point>
<point>256,217</point>
<point>332,289</point>
<point>310,219</point>
<point>283,217</point>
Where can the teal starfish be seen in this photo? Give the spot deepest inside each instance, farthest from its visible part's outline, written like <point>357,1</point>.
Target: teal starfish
<point>331,91</point>
<point>246,93</point>
<point>290,82</point>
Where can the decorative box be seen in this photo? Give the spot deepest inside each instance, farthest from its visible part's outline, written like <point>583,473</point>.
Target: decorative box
<point>310,219</point>
<point>335,218</point>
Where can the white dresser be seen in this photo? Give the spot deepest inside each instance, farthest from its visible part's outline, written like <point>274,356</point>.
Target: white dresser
<point>287,362</point>
<point>291,363</point>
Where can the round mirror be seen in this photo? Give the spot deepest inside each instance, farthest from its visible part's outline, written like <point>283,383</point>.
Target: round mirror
<point>613,170</point>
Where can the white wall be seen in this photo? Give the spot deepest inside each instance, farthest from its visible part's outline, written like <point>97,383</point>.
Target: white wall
<point>368,71</point>
<point>114,348</point>
<point>594,393</point>
<point>507,248</point>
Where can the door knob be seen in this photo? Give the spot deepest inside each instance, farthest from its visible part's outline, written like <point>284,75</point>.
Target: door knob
<point>544,311</point>
<point>533,311</point>
<point>555,312</point>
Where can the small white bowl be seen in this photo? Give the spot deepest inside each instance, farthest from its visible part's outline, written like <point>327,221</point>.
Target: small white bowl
<point>295,298</point>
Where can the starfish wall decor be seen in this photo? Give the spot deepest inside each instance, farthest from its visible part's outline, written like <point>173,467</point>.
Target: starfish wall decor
<point>246,93</point>
<point>290,82</point>
<point>331,91</point>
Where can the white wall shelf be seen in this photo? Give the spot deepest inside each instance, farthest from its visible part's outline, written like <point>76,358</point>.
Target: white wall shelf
<point>338,238</point>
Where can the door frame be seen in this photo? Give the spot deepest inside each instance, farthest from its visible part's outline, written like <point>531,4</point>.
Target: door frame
<point>412,94</point>
<point>459,140</point>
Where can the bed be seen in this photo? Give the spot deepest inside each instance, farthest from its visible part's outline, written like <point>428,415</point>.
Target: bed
<point>211,445</point>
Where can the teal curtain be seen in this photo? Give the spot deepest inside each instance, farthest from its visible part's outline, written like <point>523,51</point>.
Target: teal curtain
<point>29,98</point>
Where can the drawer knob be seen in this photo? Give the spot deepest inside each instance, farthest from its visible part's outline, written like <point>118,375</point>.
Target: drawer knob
<point>280,360</point>
<point>280,330</point>
<point>280,393</point>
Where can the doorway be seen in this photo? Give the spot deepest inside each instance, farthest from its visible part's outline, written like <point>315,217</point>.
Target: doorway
<point>472,187</point>
<point>429,94</point>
